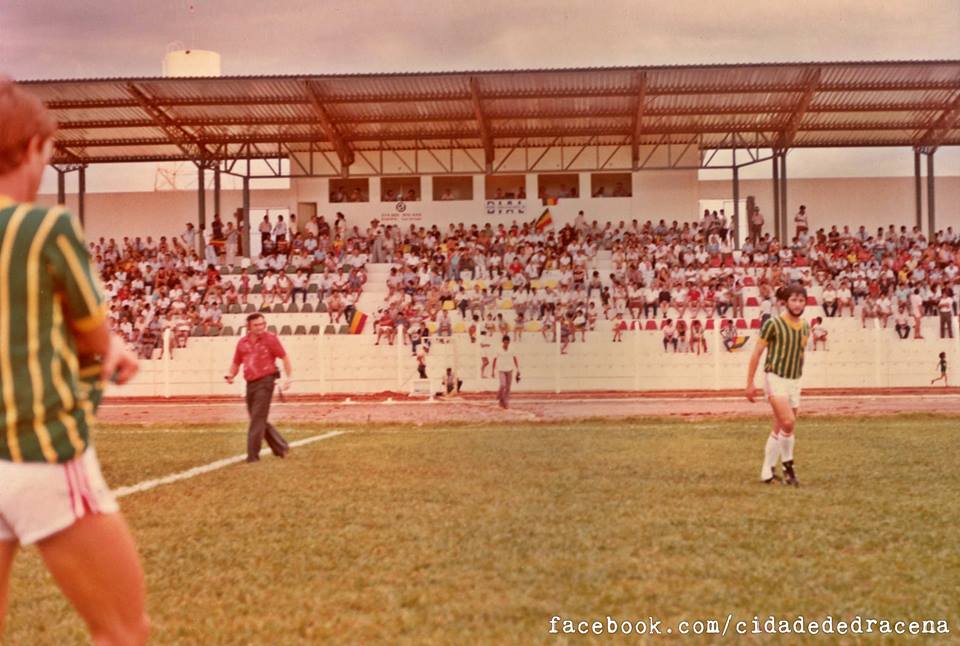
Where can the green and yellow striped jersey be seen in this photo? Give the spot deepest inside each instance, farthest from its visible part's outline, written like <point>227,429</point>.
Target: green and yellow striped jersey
<point>785,343</point>
<point>47,287</point>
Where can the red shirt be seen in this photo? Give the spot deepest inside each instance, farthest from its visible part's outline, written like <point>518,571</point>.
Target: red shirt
<point>258,356</point>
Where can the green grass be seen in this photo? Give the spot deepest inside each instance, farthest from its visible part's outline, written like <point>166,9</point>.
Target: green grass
<point>480,534</point>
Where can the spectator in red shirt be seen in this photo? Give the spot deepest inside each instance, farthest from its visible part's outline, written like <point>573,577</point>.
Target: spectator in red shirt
<point>257,352</point>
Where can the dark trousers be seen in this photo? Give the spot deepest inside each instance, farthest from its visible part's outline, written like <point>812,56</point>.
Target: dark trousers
<point>830,309</point>
<point>903,331</point>
<point>647,308</point>
<point>503,393</point>
<point>946,325</point>
<point>259,394</point>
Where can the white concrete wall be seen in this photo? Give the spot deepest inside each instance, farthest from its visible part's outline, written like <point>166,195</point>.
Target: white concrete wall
<point>161,213</point>
<point>871,358</point>
<point>669,194</point>
<point>870,201</point>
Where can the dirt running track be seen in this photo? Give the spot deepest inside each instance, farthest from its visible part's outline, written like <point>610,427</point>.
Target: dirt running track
<point>525,407</point>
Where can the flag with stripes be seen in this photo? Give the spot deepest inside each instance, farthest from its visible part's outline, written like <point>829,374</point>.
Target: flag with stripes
<point>358,322</point>
<point>545,220</point>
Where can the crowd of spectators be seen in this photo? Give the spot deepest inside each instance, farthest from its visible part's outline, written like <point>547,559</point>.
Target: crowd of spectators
<point>166,284</point>
<point>491,280</point>
<point>516,279</point>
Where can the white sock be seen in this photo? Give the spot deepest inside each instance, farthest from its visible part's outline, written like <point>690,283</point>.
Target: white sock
<point>786,447</point>
<point>770,455</point>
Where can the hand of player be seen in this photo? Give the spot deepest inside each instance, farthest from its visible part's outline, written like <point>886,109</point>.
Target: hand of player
<point>228,379</point>
<point>518,377</point>
<point>119,364</point>
<point>286,384</point>
<point>751,393</point>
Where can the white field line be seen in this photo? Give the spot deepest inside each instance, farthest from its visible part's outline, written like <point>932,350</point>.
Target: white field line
<point>147,485</point>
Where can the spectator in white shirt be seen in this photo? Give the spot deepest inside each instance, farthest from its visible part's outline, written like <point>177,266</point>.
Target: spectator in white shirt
<point>504,363</point>
<point>916,312</point>
<point>279,230</point>
<point>945,307</point>
<point>299,285</point>
<point>845,298</point>
<point>901,322</point>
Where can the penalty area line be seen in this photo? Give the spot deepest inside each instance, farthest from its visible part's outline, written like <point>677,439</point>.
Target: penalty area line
<point>147,485</point>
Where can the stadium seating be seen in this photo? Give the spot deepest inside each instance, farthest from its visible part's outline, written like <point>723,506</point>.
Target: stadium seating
<point>866,357</point>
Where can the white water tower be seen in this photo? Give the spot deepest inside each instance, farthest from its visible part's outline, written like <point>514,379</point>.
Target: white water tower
<point>181,62</point>
<point>190,62</point>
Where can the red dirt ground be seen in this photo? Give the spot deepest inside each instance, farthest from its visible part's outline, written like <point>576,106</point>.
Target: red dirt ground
<point>482,407</point>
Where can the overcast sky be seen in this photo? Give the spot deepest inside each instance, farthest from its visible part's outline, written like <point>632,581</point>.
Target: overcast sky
<point>42,39</point>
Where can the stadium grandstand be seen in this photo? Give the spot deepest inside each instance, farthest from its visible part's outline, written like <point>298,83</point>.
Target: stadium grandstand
<point>433,213</point>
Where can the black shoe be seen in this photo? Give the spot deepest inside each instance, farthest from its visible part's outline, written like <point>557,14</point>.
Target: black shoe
<point>791,476</point>
<point>773,479</point>
<point>251,460</point>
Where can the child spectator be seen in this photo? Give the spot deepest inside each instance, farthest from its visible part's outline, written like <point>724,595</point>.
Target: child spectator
<point>818,334</point>
<point>669,335</point>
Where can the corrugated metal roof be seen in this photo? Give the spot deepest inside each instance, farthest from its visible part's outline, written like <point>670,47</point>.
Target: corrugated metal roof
<point>798,104</point>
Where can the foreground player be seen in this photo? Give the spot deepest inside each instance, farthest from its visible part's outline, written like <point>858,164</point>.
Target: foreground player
<point>53,324</point>
<point>783,337</point>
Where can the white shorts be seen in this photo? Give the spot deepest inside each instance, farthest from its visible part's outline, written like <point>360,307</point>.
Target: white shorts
<point>777,386</point>
<point>38,499</point>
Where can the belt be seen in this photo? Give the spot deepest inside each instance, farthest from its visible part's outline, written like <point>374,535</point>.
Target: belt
<point>272,375</point>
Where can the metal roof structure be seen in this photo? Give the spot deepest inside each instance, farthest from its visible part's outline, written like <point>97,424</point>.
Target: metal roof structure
<point>774,106</point>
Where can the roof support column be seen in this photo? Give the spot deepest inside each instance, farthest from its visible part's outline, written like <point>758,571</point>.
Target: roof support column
<point>735,221</point>
<point>61,187</point>
<point>931,205</point>
<point>784,220</point>
<point>201,210</point>
<point>776,197</point>
<point>637,126</point>
<point>246,217</point>
<point>918,187</point>
<point>216,190</point>
<point>81,193</point>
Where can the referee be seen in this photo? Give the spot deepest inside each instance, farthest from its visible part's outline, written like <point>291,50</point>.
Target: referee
<point>257,352</point>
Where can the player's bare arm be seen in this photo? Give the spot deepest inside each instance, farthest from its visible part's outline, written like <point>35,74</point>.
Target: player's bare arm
<point>758,350</point>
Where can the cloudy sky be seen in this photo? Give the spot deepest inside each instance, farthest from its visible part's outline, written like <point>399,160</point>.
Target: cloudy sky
<point>109,38</point>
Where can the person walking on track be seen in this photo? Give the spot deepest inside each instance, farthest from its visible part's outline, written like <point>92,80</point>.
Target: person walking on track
<point>504,363</point>
<point>257,352</point>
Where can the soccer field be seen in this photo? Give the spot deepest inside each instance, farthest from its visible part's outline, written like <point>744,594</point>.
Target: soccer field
<point>483,533</point>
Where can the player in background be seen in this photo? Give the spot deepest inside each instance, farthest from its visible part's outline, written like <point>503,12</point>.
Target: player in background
<point>783,338</point>
<point>942,367</point>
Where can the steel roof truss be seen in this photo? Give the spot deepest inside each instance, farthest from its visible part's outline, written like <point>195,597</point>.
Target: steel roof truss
<point>179,137</point>
<point>344,152</point>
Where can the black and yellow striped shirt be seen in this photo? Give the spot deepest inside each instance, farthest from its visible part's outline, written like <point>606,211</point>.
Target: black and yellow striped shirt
<point>47,287</point>
<point>785,343</point>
